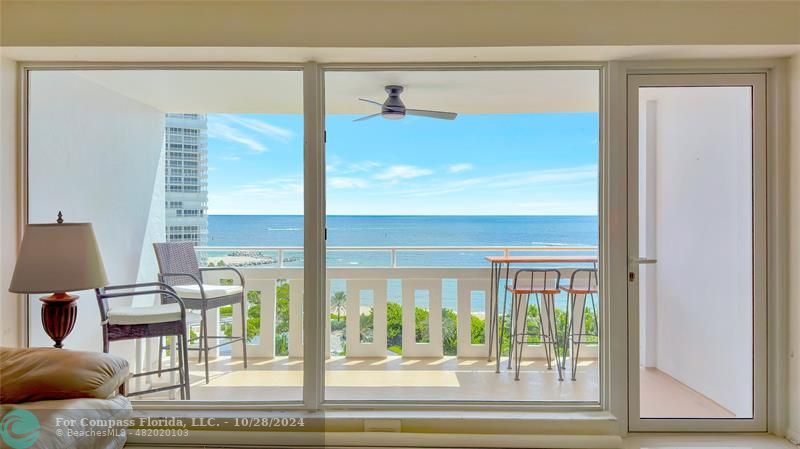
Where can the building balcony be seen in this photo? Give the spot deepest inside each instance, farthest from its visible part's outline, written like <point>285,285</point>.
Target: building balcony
<point>379,347</point>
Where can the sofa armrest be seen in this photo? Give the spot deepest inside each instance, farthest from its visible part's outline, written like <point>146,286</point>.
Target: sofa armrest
<point>37,374</point>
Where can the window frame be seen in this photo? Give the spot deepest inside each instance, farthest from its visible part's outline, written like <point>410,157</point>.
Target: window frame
<point>604,234</point>
<point>614,397</point>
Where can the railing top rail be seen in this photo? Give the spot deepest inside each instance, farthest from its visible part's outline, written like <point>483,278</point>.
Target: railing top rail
<point>404,248</point>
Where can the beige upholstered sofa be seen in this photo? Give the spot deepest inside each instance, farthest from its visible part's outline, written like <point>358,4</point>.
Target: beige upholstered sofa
<point>74,396</point>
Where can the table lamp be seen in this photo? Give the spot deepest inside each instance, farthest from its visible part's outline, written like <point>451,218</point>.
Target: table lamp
<point>58,258</point>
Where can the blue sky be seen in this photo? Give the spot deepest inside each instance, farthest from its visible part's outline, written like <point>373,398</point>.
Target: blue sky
<point>499,164</point>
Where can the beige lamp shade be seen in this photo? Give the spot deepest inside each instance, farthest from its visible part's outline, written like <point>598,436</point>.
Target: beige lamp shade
<point>58,258</point>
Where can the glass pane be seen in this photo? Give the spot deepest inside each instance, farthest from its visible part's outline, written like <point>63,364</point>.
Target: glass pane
<point>416,204</point>
<point>212,158</point>
<point>695,227</point>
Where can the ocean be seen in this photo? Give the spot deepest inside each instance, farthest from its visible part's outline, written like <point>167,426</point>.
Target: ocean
<point>402,231</point>
<point>347,230</point>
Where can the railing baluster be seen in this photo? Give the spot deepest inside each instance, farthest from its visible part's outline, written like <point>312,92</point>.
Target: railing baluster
<point>434,348</point>
<point>465,312</point>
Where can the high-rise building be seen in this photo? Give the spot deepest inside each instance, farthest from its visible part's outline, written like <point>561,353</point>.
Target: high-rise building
<point>186,183</point>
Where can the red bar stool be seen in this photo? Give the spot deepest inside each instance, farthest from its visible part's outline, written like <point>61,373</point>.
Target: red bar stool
<point>543,284</point>
<point>582,283</point>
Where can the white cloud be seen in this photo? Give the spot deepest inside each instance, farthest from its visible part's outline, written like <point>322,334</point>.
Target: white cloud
<point>291,184</point>
<point>511,181</point>
<point>551,176</point>
<point>458,168</point>
<point>225,132</point>
<point>261,127</point>
<point>396,172</point>
<point>279,195</point>
<point>340,182</point>
<point>337,165</point>
<point>363,166</point>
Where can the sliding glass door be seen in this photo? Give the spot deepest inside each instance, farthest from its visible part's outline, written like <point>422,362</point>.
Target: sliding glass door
<point>697,252</point>
<point>208,158</point>
<point>436,179</point>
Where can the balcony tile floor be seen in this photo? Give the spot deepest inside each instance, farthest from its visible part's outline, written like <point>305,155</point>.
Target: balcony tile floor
<point>391,378</point>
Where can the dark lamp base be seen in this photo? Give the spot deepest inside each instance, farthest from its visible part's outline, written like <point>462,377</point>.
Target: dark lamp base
<point>59,312</point>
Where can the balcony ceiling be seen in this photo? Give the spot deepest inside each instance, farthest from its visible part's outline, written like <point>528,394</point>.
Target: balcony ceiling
<point>280,92</point>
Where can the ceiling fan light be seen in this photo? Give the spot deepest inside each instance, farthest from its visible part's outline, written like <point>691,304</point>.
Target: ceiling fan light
<point>393,115</point>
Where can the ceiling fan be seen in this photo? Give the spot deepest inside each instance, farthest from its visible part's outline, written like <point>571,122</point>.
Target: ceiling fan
<point>394,109</point>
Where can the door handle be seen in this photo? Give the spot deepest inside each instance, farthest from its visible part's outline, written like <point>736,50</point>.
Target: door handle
<point>638,261</point>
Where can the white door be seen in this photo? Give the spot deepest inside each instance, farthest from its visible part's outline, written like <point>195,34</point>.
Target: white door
<point>697,252</point>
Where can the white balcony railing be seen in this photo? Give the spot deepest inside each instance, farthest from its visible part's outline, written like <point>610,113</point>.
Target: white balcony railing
<point>433,278</point>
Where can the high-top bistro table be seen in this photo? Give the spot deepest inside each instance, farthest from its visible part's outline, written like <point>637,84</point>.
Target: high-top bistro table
<point>497,269</point>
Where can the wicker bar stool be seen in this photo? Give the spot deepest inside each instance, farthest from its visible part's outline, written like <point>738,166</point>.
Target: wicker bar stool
<point>178,266</point>
<point>167,319</point>
<point>543,284</point>
<point>582,283</point>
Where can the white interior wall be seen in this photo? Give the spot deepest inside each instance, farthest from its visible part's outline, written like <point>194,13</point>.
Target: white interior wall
<point>11,305</point>
<point>97,156</point>
<point>703,241</point>
<point>648,280</point>
<point>794,251</point>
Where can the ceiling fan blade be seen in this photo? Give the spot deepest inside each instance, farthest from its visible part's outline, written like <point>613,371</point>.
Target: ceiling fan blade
<point>391,108</point>
<point>366,117</point>
<point>370,101</point>
<point>432,114</point>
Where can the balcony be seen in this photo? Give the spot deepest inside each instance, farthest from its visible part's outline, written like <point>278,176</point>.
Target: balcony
<point>407,323</point>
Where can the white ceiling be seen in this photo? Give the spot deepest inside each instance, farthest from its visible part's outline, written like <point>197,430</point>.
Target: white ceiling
<point>468,92</point>
<point>272,91</point>
<point>207,91</point>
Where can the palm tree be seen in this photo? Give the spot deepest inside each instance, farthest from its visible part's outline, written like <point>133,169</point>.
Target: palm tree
<point>338,301</point>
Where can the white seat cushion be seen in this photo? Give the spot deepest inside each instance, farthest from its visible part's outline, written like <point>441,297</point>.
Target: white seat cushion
<point>161,313</point>
<point>212,291</point>
<point>193,317</point>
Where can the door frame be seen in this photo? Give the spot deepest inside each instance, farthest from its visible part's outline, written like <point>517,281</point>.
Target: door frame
<point>604,243</point>
<point>758,83</point>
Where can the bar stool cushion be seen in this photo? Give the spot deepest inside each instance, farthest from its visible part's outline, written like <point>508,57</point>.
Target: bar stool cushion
<point>161,313</point>
<point>523,289</point>
<point>211,291</point>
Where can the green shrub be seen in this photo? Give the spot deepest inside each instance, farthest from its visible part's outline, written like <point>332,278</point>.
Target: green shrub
<point>367,326</point>
<point>422,324</point>
<point>449,332</point>
<point>477,330</point>
<point>281,318</point>
<point>394,327</point>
